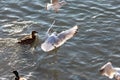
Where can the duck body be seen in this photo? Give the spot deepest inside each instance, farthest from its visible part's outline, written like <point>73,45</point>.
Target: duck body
<point>29,39</point>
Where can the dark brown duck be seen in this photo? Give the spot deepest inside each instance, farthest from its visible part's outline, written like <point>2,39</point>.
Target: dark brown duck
<point>29,39</point>
<point>17,77</point>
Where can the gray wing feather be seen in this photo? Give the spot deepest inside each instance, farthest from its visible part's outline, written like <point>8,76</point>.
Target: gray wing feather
<point>66,35</point>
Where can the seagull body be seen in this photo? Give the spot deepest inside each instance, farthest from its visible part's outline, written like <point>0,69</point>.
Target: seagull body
<point>56,40</point>
<point>18,77</point>
<point>55,5</point>
<point>110,71</point>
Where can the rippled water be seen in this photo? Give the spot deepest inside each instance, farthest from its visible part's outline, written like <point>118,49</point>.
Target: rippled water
<point>96,43</point>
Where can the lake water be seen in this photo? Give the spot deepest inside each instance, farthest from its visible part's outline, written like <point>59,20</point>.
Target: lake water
<point>80,58</point>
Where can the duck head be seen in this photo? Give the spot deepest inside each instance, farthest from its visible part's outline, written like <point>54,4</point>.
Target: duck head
<point>16,74</point>
<point>34,33</point>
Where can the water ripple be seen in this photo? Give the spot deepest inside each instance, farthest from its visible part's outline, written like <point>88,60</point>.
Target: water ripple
<point>80,58</point>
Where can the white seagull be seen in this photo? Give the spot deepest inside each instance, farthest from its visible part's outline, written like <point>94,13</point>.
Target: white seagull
<point>110,71</point>
<point>55,5</point>
<point>55,40</point>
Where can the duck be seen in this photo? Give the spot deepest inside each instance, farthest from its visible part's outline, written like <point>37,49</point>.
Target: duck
<point>28,39</point>
<point>109,71</point>
<point>17,77</point>
<point>55,5</point>
<point>55,40</point>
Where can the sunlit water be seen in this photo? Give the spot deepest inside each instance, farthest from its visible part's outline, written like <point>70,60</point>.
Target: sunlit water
<point>97,42</point>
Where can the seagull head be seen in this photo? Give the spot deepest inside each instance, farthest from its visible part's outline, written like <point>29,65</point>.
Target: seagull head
<point>54,33</point>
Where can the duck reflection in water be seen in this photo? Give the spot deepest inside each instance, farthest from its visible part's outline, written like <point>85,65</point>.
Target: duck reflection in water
<point>55,5</point>
<point>18,77</point>
<point>110,71</point>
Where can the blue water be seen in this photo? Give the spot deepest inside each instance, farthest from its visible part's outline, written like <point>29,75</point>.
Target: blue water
<point>80,58</point>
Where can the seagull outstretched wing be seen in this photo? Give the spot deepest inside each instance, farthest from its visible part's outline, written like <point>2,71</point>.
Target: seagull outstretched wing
<point>66,35</point>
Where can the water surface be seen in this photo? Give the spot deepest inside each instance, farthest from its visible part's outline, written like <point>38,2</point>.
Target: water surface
<point>96,43</point>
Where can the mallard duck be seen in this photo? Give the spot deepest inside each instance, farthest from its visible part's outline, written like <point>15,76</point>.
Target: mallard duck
<point>55,39</point>
<point>55,5</point>
<point>29,39</point>
<point>110,71</point>
<point>18,77</point>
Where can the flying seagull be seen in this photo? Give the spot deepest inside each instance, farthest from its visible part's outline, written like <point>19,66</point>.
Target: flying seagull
<point>55,40</point>
<point>110,71</point>
<point>55,5</point>
<point>18,77</point>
